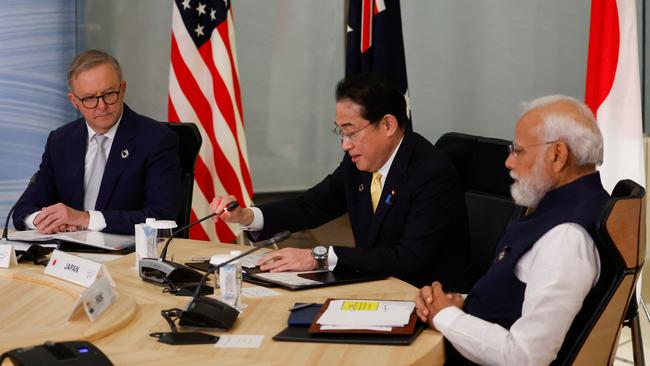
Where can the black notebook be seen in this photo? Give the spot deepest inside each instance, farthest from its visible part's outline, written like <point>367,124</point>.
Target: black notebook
<point>301,334</point>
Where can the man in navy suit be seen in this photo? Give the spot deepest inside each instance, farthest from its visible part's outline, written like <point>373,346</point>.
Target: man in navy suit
<point>414,227</point>
<point>545,264</point>
<point>107,171</point>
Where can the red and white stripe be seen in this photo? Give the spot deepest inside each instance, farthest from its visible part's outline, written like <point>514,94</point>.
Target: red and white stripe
<point>369,8</point>
<point>613,90</point>
<point>204,89</point>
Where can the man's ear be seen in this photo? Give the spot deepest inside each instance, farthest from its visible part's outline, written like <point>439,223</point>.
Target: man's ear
<point>73,100</point>
<point>560,156</point>
<point>389,124</point>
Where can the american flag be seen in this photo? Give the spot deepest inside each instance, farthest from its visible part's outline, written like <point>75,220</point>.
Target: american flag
<point>375,42</point>
<point>204,89</point>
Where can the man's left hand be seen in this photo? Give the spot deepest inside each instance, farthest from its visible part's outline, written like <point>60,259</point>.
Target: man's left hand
<point>59,217</point>
<point>288,259</point>
<point>432,299</point>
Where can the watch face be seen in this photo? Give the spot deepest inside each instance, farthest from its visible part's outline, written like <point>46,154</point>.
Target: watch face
<point>319,251</point>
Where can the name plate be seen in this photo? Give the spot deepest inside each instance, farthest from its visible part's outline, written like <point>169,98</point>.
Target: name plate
<point>95,299</point>
<point>7,256</point>
<point>75,269</point>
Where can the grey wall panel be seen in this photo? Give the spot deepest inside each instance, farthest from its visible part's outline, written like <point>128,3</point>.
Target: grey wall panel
<point>37,41</point>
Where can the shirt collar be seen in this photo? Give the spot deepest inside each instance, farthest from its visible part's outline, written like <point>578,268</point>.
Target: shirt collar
<point>110,133</point>
<point>386,167</point>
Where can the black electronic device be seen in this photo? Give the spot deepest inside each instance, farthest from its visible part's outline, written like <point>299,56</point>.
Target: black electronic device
<point>75,353</point>
<point>162,272</point>
<point>205,312</point>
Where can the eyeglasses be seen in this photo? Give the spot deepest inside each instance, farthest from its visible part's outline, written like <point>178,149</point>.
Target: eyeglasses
<point>109,98</point>
<point>338,131</point>
<point>514,149</point>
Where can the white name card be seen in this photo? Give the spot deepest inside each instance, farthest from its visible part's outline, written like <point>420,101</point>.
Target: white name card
<point>7,256</point>
<point>75,269</point>
<point>95,299</point>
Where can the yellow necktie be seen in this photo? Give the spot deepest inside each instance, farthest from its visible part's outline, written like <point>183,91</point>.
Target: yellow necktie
<point>375,190</point>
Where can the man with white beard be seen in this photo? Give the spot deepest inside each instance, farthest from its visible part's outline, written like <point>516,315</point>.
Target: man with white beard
<point>519,312</point>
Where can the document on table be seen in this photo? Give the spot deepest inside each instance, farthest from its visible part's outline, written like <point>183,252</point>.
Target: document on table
<point>366,314</point>
<point>86,237</point>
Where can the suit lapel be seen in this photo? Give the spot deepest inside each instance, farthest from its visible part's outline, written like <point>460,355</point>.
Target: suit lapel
<point>392,185</point>
<point>77,153</point>
<point>121,152</point>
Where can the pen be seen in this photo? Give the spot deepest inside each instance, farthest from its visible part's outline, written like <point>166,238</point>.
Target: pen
<point>302,306</point>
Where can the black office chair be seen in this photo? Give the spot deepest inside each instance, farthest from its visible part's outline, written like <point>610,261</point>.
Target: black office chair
<point>480,162</point>
<point>189,139</point>
<point>593,336</point>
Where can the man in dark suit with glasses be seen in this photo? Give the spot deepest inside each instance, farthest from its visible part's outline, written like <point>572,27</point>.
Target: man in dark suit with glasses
<point>402,195</point>
<point>107,171</point>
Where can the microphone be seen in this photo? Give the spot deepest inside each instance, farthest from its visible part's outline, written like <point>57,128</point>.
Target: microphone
<point>5,233</point>
<point>206,312</point>
<point>162,272</point>
<point>36,252</point>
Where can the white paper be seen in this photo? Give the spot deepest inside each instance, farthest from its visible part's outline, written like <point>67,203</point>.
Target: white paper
<point>30,235</point>
<point>259,291</point>
<point>239,341</point>
<point>367,313</point>
<point>92,238</point>
<point>343,327</point>
<point>7,255</point>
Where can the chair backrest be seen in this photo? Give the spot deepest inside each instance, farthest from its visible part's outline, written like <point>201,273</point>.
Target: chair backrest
<point>620,239</point>
<point>189,144</point>
<point>480,163</point>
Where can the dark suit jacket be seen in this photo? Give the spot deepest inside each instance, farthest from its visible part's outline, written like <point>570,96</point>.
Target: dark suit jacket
<point>146,183</point>
<point>418,235</point>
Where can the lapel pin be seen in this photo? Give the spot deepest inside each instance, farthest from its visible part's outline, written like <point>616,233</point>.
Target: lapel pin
<point>360,187</point>
<point>503,253</point>
<point>390,196</point>
<point>125,154</point>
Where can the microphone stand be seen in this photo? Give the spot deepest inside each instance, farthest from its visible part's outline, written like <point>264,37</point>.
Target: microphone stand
<point>206,312</point>
<point>35,251</point>
<point>162,272</point>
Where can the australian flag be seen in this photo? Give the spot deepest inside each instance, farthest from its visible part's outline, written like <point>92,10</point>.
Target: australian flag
<point>375,42</point>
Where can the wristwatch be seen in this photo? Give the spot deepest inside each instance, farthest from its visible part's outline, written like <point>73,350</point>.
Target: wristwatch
<point>320,255</point>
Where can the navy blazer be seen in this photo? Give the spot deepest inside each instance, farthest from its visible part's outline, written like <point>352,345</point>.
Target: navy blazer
<point>419,232</point>
<point>145,182</point>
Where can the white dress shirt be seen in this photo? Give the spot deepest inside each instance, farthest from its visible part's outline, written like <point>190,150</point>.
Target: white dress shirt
<point>97,221</point>
<point>258,218</point>
<point>559,270</point>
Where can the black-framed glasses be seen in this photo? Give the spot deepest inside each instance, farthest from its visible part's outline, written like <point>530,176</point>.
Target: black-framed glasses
<point>514,149</point>
<point>338,131</point>
<point>109,98</point>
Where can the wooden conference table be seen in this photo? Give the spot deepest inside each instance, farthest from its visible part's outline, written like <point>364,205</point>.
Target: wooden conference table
<point>35,309</point>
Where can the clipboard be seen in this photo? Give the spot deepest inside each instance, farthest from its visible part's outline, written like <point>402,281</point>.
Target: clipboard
<point>407,330</point>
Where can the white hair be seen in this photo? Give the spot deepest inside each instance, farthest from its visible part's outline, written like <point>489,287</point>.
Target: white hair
<point>579,132</point>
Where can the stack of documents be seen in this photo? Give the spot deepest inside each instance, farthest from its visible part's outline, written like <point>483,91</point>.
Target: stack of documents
<point>374,315</point>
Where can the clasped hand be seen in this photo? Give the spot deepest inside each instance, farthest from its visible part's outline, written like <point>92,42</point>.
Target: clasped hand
<point>432,299</point>
<point>60,218</point>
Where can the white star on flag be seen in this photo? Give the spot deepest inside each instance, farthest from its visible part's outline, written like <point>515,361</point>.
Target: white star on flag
<point>212,14</point>
<point>199,30</point>
<point>201,8</point>
<point>186,4</point>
